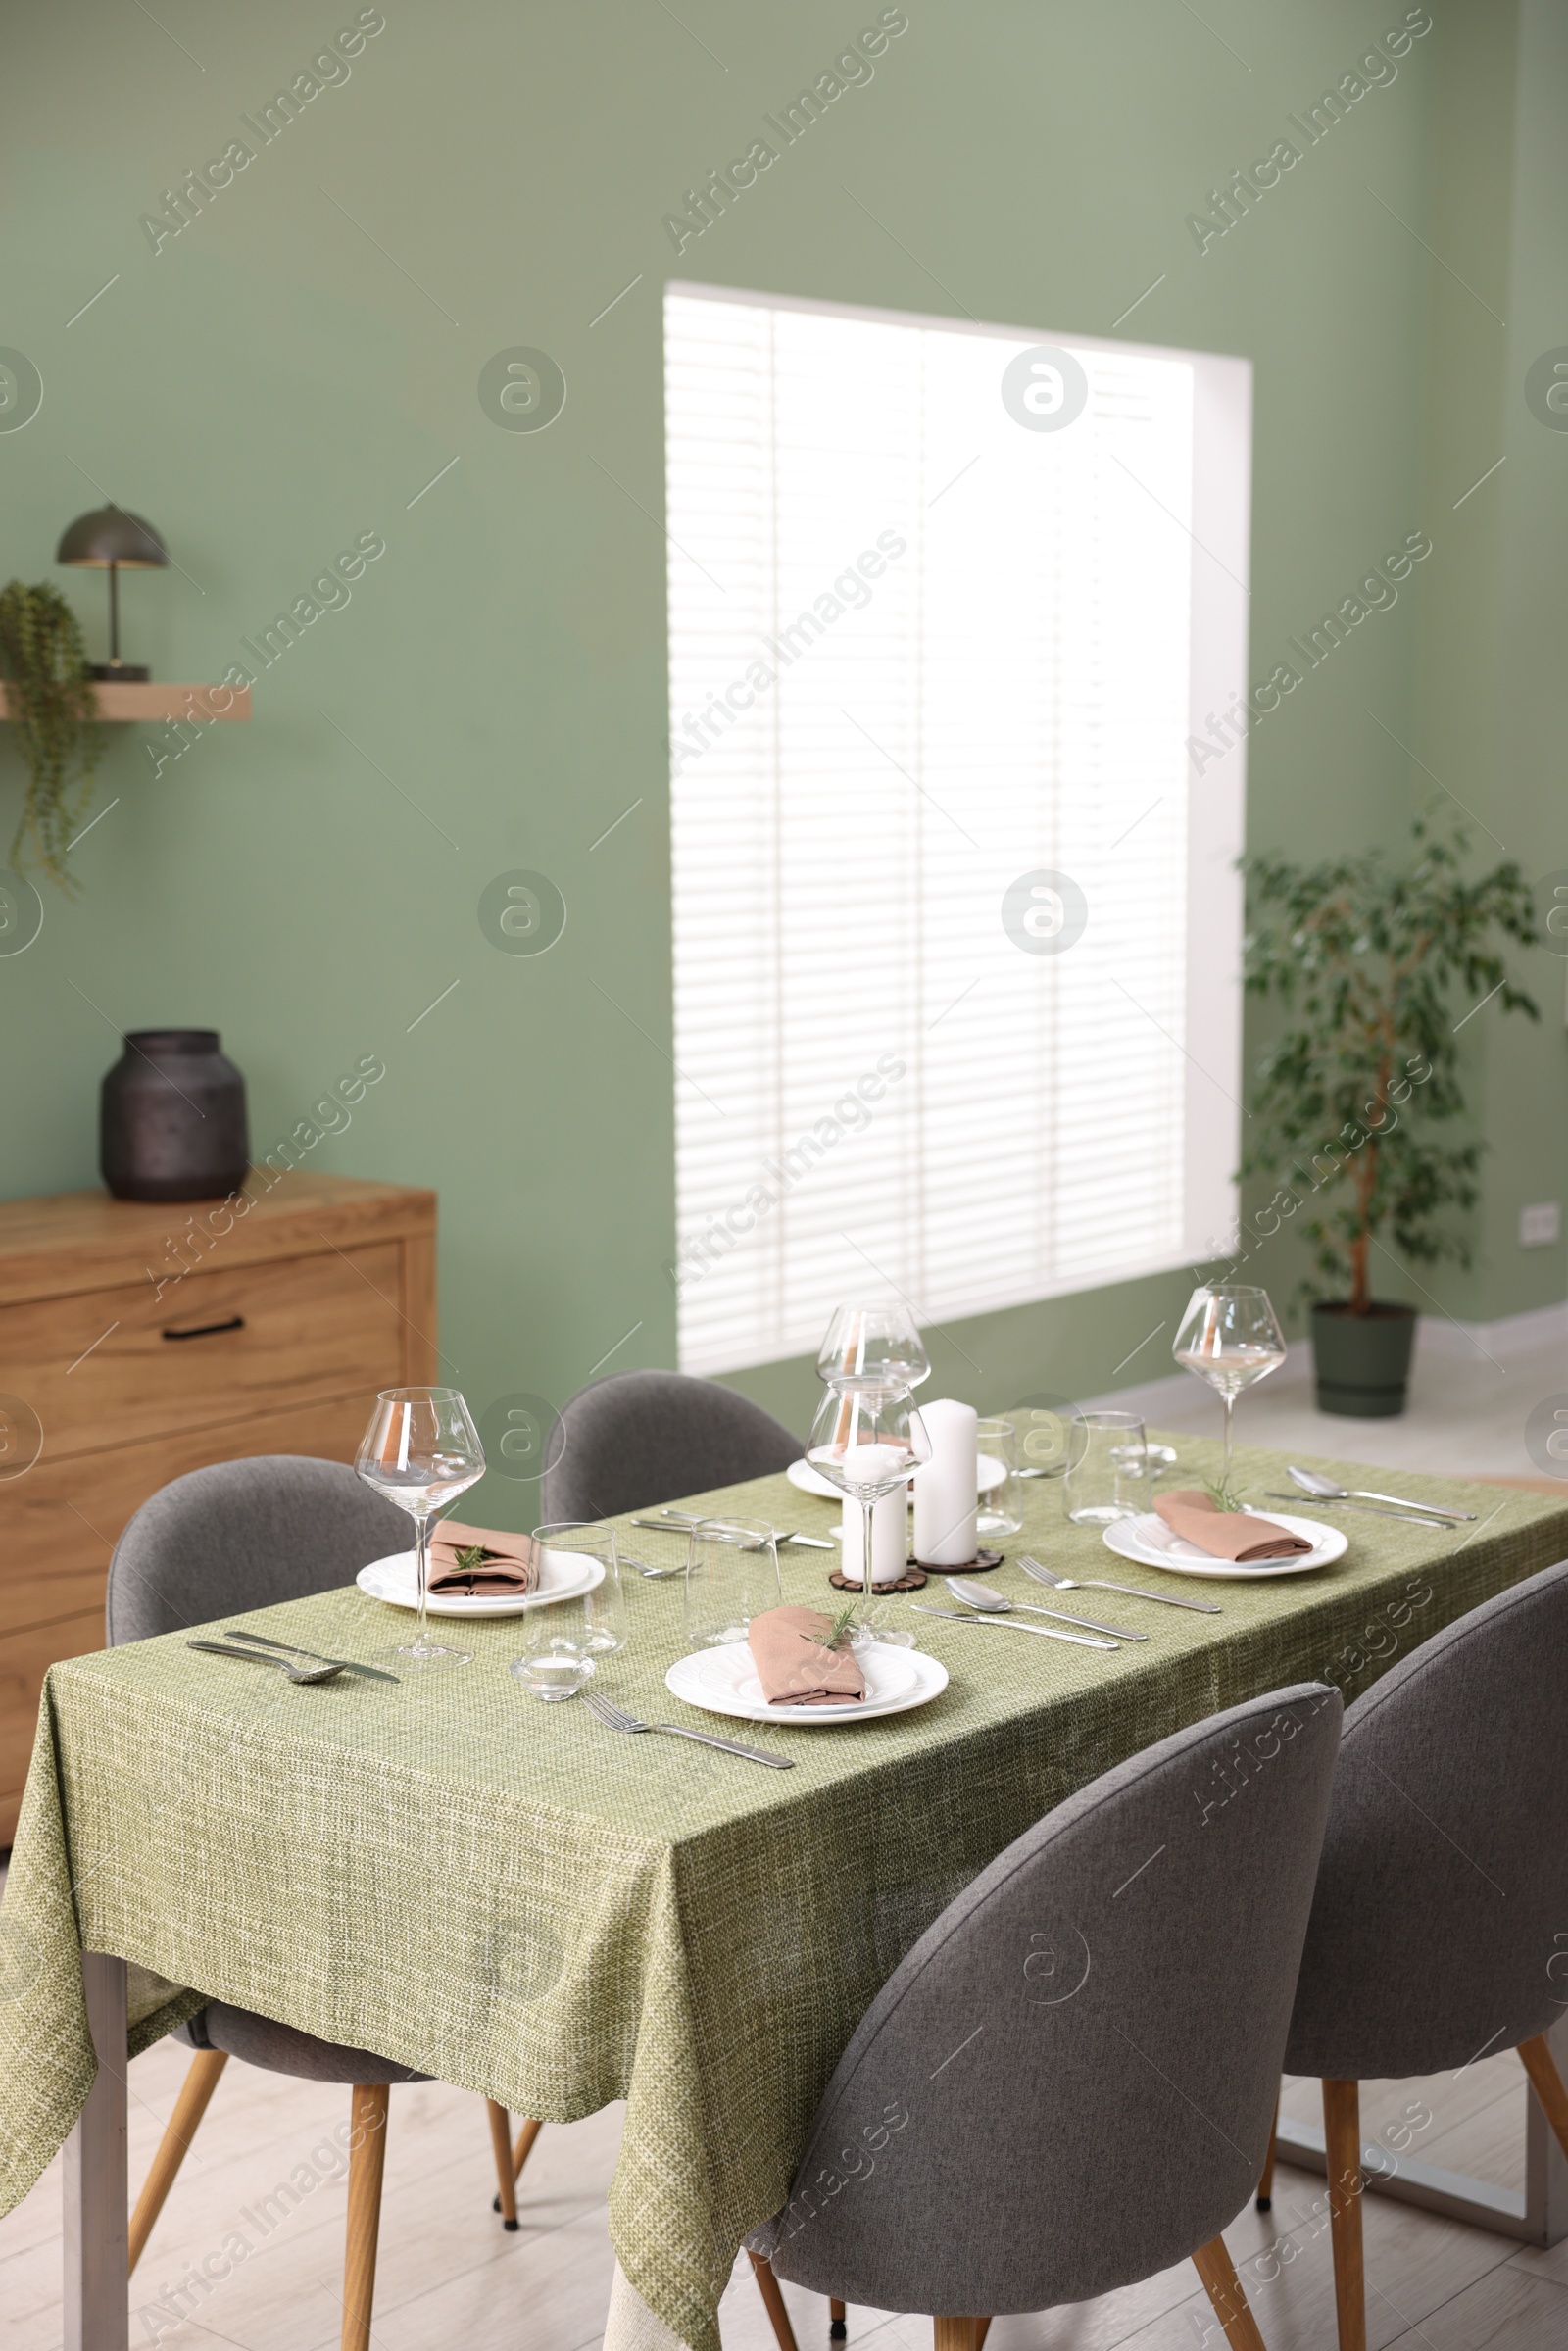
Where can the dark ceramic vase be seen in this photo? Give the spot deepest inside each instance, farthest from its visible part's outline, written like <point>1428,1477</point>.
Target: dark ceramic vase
<point>174,1124</point>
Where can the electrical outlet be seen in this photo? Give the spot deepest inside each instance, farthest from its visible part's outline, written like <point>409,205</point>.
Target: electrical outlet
<point>1538,1226</point>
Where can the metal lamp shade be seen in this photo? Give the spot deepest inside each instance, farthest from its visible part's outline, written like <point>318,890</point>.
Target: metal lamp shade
<point>104,541</point>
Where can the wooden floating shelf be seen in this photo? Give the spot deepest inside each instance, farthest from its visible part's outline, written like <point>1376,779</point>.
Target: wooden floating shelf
<point>151,699</point>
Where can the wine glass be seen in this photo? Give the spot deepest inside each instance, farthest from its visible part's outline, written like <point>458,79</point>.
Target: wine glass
<point>1229,1335</point>
<point>867,1441</point>
<point>879,1344</point>
<point>422,1450</point>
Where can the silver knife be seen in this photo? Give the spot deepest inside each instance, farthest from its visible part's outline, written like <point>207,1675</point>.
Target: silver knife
<point>669,1521</point>
<point>372,1673</point>
<point>1007,1624</point>
<point>1406,1518</point>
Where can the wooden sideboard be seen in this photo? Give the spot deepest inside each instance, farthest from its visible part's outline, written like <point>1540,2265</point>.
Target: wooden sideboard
<point>119,1370</point>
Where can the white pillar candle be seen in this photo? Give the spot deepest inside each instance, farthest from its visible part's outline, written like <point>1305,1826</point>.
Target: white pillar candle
<point>947,1487</point>
<point>889,1539</point>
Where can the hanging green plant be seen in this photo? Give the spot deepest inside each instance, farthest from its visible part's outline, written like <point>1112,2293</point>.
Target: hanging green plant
<point>55,712</point>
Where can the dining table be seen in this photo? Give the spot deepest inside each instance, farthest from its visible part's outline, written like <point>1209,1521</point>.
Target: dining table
<point>516,1898</point>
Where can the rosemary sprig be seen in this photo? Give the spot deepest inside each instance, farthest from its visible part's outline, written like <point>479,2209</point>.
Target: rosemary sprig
<point>1222,1496</point>
<point>837,1635</point>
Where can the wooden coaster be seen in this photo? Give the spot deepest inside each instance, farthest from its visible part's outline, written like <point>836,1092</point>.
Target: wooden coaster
<point>911,1579</point>
<point>977,1566</point>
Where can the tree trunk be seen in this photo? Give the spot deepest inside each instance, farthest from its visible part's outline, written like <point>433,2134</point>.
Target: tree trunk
<point>1365,1182</point>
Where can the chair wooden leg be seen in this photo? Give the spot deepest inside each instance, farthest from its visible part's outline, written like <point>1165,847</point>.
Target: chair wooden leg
<point>1215,2268</point>
<point>367,2157</point>
<point>189,2107</point>
<point>506,2202</point>
<point>524,2147</point>
<point>956,2335</point>
<point>837,2329</point>
<point>772,2300</point>
<point>1265,2184</point>
<point>1548,2084</point>
<point>513,2159</point>
<point>1342,2142</point>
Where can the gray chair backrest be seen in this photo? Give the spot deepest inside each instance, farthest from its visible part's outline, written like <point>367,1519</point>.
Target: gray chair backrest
<point>642,1437</point>
<point>1441,1920</point>
<point>1070,2082</point>
<point>244,1535</point>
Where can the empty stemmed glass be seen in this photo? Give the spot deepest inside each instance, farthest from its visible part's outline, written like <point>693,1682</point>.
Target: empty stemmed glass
<point>866,1440</point>
<point>879,1342</point>
<point>422,1450</point>
<point>1229,1335</point>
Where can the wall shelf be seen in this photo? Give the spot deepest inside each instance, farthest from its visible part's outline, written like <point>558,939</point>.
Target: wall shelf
<point>152,699</point>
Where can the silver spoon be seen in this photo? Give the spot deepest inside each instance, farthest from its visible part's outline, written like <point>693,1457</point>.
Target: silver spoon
<point>992,1603</point>
<point>295,1672</point>
<point>1312,1481</point>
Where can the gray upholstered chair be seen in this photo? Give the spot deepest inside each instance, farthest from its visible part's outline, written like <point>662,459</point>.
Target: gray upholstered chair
<point>1437,1928</point>
<point>642,1437</point>
<point>246,1534</point>
<point>1110,1995</point>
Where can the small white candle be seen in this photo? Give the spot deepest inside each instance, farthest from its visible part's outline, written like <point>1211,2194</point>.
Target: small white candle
<point>889,1537</point>
<point>947,1487</point>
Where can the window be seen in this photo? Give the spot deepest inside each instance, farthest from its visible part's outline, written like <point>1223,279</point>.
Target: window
<point>956,927</point>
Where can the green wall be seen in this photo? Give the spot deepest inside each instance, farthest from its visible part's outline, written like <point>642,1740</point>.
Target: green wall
<point>279,378</point>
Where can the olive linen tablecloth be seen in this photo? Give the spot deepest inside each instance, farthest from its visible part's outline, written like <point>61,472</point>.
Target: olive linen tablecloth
<point>523,1903</point>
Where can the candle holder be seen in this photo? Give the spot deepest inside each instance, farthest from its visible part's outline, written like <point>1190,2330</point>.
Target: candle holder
<point>911,1579</point>
<point>981,1564</point>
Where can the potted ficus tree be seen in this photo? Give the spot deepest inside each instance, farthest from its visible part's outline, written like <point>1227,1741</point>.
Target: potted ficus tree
<point>1358,1106</point>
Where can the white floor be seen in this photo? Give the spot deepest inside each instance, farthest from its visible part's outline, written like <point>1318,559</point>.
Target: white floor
<point>448,2275</point>
<point>1471,1394</point>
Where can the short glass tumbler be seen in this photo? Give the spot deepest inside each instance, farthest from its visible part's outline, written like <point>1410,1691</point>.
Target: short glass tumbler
<point>575,1542</point>
<point>998,1512</point>
<point>732,1576</point>
<point>1106,1475</point>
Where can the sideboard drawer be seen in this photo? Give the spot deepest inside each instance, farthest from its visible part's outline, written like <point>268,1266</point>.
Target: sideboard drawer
<point>24,1660</point>
<point>114,1365</point>
<point>60,1523</point>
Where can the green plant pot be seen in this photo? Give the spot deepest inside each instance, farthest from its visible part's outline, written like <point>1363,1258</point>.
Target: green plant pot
<point>1363,1361</point>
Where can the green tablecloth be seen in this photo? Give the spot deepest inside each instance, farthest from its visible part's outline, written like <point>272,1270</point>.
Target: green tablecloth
<point>530,1906</point>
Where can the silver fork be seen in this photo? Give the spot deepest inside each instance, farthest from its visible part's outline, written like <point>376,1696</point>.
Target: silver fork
<point>615,1718</point>
<point>1167,1599</point>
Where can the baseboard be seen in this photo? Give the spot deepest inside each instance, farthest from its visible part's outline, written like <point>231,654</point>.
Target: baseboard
<point>1152,1397</point>
<point>1515,1334</point>
<point>1436,1335</point>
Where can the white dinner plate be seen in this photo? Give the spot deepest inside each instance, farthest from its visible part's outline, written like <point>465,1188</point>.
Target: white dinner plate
<point>723,1681</point>
<point>396,1580</point>
<point>807,1479</point>
<point>1149,1542</point>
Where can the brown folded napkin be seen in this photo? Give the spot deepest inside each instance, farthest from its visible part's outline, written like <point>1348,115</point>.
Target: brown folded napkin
<point>1234,1535</point>
<point>506,1562</point>
<point>792,1665</point>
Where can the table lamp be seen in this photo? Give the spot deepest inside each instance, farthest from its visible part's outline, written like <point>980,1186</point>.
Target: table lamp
<point>106,540</point>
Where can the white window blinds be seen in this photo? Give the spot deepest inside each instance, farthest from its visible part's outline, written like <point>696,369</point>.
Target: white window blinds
<point>923,652</point>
